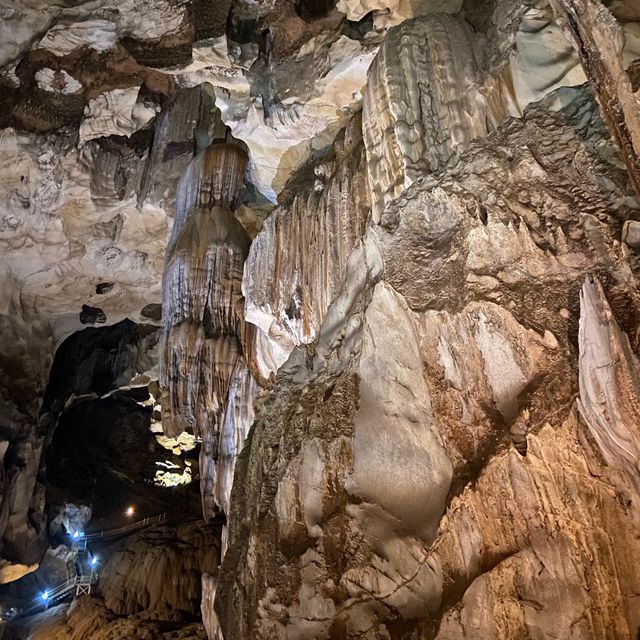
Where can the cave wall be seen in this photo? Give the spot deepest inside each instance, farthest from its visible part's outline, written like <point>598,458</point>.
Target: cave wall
<point>423,467</point>
<point>406,333</point>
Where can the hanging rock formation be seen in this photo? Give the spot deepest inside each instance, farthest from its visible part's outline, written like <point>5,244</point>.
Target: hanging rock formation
<point>202,364</point>
<point>297,261</point>
<point>414,122</point>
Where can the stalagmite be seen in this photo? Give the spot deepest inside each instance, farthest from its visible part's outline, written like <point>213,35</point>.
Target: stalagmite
<point>202,329</point>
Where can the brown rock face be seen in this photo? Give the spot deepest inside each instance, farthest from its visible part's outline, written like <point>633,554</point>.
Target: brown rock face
<point>158,571</point>
<point>384,491</point>
<point>297,261</point>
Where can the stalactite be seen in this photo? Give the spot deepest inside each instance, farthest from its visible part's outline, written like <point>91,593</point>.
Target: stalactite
<point>297,261</point>
<point>205,340</point>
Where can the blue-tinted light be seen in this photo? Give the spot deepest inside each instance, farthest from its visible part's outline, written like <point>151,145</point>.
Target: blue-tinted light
<point>45,595</point>
<point>94,561</point>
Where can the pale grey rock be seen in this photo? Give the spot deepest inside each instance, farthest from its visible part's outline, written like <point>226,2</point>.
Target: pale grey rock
<point>69,519</point>
<point>116,112</point>
<point>330,74</point>
<point>609,392</point>
<point>50,80</point>
<point>62,39</point>
<point>19,27</point>
<point>394,422</point>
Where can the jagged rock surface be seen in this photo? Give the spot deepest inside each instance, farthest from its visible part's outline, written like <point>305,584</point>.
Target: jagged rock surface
<point>600,42</point>
<point>89,618</point>
<point>365,503</point>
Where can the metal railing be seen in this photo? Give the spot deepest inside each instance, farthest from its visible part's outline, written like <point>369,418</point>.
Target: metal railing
<point>82,582</point>
<point>53,595</point>
<point>132,526</point>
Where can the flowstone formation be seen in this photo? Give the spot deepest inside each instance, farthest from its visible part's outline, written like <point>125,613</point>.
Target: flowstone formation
<point>357,282</point>
<point>205,342</point>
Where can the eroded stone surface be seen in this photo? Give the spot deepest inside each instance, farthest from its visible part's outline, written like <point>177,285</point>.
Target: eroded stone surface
<point>397,472</point>
<point>441,309</point>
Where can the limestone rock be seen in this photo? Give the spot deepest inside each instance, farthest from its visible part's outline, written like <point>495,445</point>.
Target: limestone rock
<point>600,42</point>
<point>329,74</point>
<point>206,347</point>
<point>398,347</point>
<point>88,617</point>
<point>414,123</point>
<point>388,14</point>
<point>287,290</point>
<point>608,384</point>
<point>383,491</point>
<point>158,571</point>
<point>115,112</point>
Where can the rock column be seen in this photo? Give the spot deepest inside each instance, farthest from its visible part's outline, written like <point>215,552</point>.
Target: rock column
<point>204,337</point>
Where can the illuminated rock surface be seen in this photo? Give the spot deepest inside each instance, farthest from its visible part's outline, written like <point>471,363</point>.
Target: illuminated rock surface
<point>354,281</point>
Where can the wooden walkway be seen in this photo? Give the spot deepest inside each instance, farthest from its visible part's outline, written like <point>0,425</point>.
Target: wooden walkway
<point>86,575</point>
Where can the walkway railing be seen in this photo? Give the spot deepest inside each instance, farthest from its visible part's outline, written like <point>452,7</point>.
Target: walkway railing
<point>54,595</point>
<point>82,583</point>
<point>132,526</point>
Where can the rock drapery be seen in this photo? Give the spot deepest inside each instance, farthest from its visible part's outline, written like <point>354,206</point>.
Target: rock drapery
<point>305,241</point>
<point>414,123</point>
<point>205,342</point>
